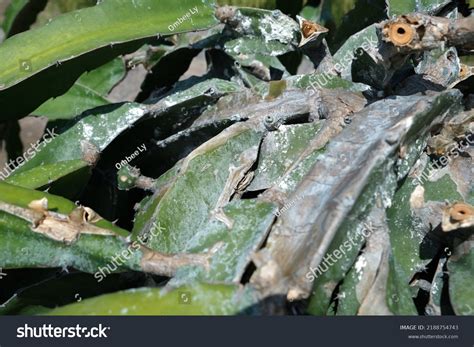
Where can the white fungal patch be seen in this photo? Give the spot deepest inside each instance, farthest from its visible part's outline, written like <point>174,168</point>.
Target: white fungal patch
<point>359,266</point>
<point>246,23</point>
<point>274,30</point>
<point>87,131</point>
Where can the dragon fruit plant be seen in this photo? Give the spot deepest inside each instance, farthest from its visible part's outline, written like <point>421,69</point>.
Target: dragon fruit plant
<point>320,163</point>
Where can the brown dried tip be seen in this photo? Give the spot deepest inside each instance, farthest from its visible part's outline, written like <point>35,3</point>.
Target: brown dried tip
<point>309,28</point>
<point>226,13</point>
<point>39,205</point>
<point>83,214</point>
<point>310,31</point>
<point>400,34</point>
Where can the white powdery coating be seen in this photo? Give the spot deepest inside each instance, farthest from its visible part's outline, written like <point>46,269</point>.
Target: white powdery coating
<point>275,30</point>
<point>101,134</point>
<point>87,130</point>
<point>359,266</point>
<point>246,23</point>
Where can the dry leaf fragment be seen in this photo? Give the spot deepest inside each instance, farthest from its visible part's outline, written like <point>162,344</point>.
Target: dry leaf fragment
<point>417,198</point>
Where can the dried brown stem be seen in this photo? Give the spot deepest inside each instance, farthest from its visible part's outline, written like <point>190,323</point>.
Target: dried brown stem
<point>56,226</point>
<point>420,32</point>
<point>166,265</point>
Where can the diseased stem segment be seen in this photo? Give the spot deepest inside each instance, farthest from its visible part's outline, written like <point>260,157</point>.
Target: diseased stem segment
<point>332,188</point>
<point>56,226</point>
<point>67,229</point>
<point>419,32</point>
<point>343,106</point>
<point>462,33</point>
<point>412,34</point>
